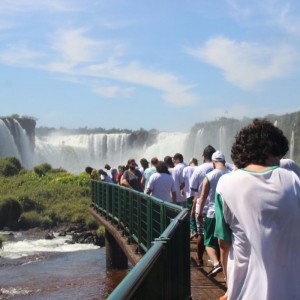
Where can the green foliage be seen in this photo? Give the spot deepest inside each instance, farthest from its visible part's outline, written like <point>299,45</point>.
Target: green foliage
<point>29,204</point>
<point>42,169</point>
<point>1,241</point>
<point>10,211</point>
<point>9,166</point>
<point>50,199</point>
<point>32,219</point>
<point>101,231</point>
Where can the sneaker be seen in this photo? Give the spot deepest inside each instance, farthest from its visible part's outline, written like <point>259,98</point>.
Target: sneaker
<point>216,269</point>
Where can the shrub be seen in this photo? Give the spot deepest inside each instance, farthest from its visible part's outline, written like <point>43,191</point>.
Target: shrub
<point>42,169</point>
<point>1,241</point>
<point>29,204</point>
<point>101,230</point>
<point>10,211</point>
<point>33,219</point>
<point>9,166</point>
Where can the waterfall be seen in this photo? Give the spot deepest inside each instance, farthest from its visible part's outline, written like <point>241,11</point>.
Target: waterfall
<point>75,152</point>
<point>8,146</point>
<point>24,145</point>
<point>222,138</point>
<point>199,144</point>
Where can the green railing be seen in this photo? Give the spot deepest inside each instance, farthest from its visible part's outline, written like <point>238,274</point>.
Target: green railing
<point>160,230</point>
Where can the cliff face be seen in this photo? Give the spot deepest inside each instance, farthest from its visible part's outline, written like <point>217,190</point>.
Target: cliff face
<point>221,134</point>
<point>26,123</point>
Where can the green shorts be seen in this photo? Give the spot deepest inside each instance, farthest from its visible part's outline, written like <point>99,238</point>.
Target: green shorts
<point>209,228</point>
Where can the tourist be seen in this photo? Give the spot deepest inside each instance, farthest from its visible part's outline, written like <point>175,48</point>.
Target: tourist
<point>144,165</point>
<point>121,170</point>
<point>104,176</point>
<point>168,160</point>
<point>189,194</point>
<point>257,217</point>
<point>290,164</point>
<point>92,172</point>
<point>208,198</point>
<point>161,184</point>
<point>148,172</point>
<point>131,177</point>
<point>196,186</point>
<point>179,165</point>
<point>113,172</point>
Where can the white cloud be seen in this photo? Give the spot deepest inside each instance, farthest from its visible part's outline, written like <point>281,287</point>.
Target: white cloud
<point>113,91</point>
<point>246,64</point>
<point>20,55</point>
<point>174,91</point>
<point>73,46</point>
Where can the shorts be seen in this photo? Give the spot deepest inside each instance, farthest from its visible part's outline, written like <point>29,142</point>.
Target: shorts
<point>200,224</point>
<point>209,229</point>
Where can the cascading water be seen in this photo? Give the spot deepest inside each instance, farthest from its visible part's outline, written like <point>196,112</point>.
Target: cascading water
<point>8,146</point>
<point>75,152</point>
<point>198,144</point>
<point>24,145</point>
<point>222,138</point>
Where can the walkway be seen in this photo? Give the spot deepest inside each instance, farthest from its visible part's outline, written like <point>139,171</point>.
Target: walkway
<point>202,287</point>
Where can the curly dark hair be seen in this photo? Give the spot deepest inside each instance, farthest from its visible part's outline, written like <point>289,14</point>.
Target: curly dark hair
<point>255,142</point>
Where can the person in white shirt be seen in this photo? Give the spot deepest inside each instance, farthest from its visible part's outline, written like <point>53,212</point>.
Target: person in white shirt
<point>257,210</point>
<point>196,186</point>
<point>189,194</point>
<point>207,197</point>
<point>290,164</point>
<point>161,184</point>
<point>179,165</point>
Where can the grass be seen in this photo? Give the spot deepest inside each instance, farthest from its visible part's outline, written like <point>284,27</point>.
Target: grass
<point>46,200</point>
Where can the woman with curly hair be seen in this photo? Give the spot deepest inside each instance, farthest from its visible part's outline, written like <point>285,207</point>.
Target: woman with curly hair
<point>258,217</point>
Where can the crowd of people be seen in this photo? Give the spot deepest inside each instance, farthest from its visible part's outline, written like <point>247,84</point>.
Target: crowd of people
<point>245,215</point>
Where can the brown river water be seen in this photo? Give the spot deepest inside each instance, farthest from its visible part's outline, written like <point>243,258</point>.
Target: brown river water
<point>32,268</point>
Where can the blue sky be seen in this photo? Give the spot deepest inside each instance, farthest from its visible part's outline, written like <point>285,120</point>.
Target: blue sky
<point>148,64</point>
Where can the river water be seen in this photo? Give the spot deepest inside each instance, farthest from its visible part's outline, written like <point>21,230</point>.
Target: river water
<point>36,268</point>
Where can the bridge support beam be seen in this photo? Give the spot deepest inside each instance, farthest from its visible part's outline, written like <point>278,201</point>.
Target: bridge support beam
<point>115,257</point>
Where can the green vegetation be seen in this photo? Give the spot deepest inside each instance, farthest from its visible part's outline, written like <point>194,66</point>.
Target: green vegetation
<point>1,241</point>
<point>43,197</point>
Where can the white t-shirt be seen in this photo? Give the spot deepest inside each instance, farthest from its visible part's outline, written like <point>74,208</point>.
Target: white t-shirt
<point>161,186</point>
<point>187,175</point>
<point>178,180</point>
<point>262,210</point>
<point>213,178</point>
<point>196,182</point>
<point>289,164</point>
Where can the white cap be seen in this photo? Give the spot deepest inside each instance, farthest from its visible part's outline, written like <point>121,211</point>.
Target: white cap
<point>218,156</point>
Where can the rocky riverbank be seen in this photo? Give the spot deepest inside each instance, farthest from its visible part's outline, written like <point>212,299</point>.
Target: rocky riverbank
<point>80,233</point>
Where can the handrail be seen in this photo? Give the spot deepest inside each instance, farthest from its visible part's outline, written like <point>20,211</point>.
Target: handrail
<point>159,229</point>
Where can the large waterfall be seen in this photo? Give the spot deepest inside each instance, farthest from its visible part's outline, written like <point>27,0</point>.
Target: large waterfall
<point>75,152</point>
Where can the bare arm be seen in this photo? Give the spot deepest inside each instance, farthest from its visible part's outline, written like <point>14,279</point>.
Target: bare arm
<point>174,199</point>
<point>193,209</point>
<point>143,180</point>
<point>124,182</point>
<point>204,194</point>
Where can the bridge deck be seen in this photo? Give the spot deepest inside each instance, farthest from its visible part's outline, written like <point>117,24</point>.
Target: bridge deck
<point>203,287</point>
